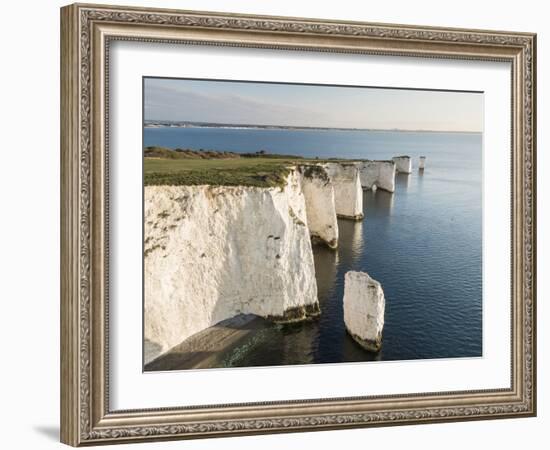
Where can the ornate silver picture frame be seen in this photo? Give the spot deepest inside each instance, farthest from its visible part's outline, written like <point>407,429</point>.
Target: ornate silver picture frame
<point>87,32</point>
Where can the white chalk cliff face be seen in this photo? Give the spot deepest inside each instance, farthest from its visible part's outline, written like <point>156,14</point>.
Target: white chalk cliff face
<point>377,174</point>
<point>403,164</point>
<point>211,253</point>
<point>318,191</point>
<point>364,307</point>
<point>348,194</point>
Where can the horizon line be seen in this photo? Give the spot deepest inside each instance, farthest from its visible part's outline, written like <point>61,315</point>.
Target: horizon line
<point>312,127</point>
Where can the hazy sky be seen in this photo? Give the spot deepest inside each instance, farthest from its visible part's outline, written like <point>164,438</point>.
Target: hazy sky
<point>322,106</point>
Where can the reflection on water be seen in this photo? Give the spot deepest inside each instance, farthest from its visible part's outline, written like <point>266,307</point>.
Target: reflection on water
<point>379,202</point>
<point>402,180</point>
<point>326,268</point>
<point>351,240</point>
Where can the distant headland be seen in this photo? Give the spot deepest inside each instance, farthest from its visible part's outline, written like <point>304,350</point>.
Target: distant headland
<point>193,124</point>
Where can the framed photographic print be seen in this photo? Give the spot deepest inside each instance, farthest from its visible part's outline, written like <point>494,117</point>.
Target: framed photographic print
<point>278,224</point>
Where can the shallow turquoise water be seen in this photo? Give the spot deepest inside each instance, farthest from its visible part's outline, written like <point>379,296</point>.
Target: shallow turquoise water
<point>423,243</point>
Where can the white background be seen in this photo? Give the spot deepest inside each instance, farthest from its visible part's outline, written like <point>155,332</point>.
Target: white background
<point>29,231</point>
<point>132,389</point>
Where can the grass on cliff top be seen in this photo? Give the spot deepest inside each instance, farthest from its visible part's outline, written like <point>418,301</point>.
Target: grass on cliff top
<point>181,153</point>
<point>163,167</point>
<point>216,172</point>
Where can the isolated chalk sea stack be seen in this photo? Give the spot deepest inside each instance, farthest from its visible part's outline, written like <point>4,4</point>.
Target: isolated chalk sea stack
<point>364,306</point>
<point>377,175</point>
<point>403,164</point>
<point>348,194</point>
<point>422,163</point>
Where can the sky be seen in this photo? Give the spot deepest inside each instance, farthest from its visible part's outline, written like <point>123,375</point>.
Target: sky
<point>311,105</point>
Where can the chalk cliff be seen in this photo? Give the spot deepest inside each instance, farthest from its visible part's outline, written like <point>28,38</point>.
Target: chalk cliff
<point>403,164</point>
<point>364,307</point>
<point>318,191</point>
<point>348,194</point>
<point>377,174</point>
<point>211,253</point>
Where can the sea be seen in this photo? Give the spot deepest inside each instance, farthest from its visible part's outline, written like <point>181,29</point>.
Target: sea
<point>423,243</point>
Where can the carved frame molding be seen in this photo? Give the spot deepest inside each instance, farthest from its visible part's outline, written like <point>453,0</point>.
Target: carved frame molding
<point>86,31</point>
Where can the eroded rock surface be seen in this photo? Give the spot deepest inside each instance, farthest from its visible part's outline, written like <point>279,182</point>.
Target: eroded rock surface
<point>403,164</point>
<point>348,194</point>
<point>318,191</point>
<point>364,306</point>
<point>377,174</point>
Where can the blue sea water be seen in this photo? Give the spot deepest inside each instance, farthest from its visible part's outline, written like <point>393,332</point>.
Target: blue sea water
<point>423,243</point>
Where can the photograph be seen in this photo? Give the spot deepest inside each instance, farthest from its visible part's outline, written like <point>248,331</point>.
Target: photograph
<point>296,224</point>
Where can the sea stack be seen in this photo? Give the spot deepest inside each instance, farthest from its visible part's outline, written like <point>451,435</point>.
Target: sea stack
<point>364,307</point>
<point>377,174</point>
<point>403,164</point>
<point>348,193</point>
<point>421,163</point>
<point>318,191</point>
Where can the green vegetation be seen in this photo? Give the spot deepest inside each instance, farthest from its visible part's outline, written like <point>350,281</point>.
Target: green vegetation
<point>315,171</point>
<point>165,153</point>
<point>190,167</point>
<point>164,167</point>
<point>216,172</point>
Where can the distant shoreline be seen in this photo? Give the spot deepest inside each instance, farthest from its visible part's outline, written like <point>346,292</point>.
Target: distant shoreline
<point>167,124</point>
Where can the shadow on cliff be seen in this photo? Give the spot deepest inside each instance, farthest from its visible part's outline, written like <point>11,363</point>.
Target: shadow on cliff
<point>151,349</point>
<point>277,345</point>
<point>175,360</point>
